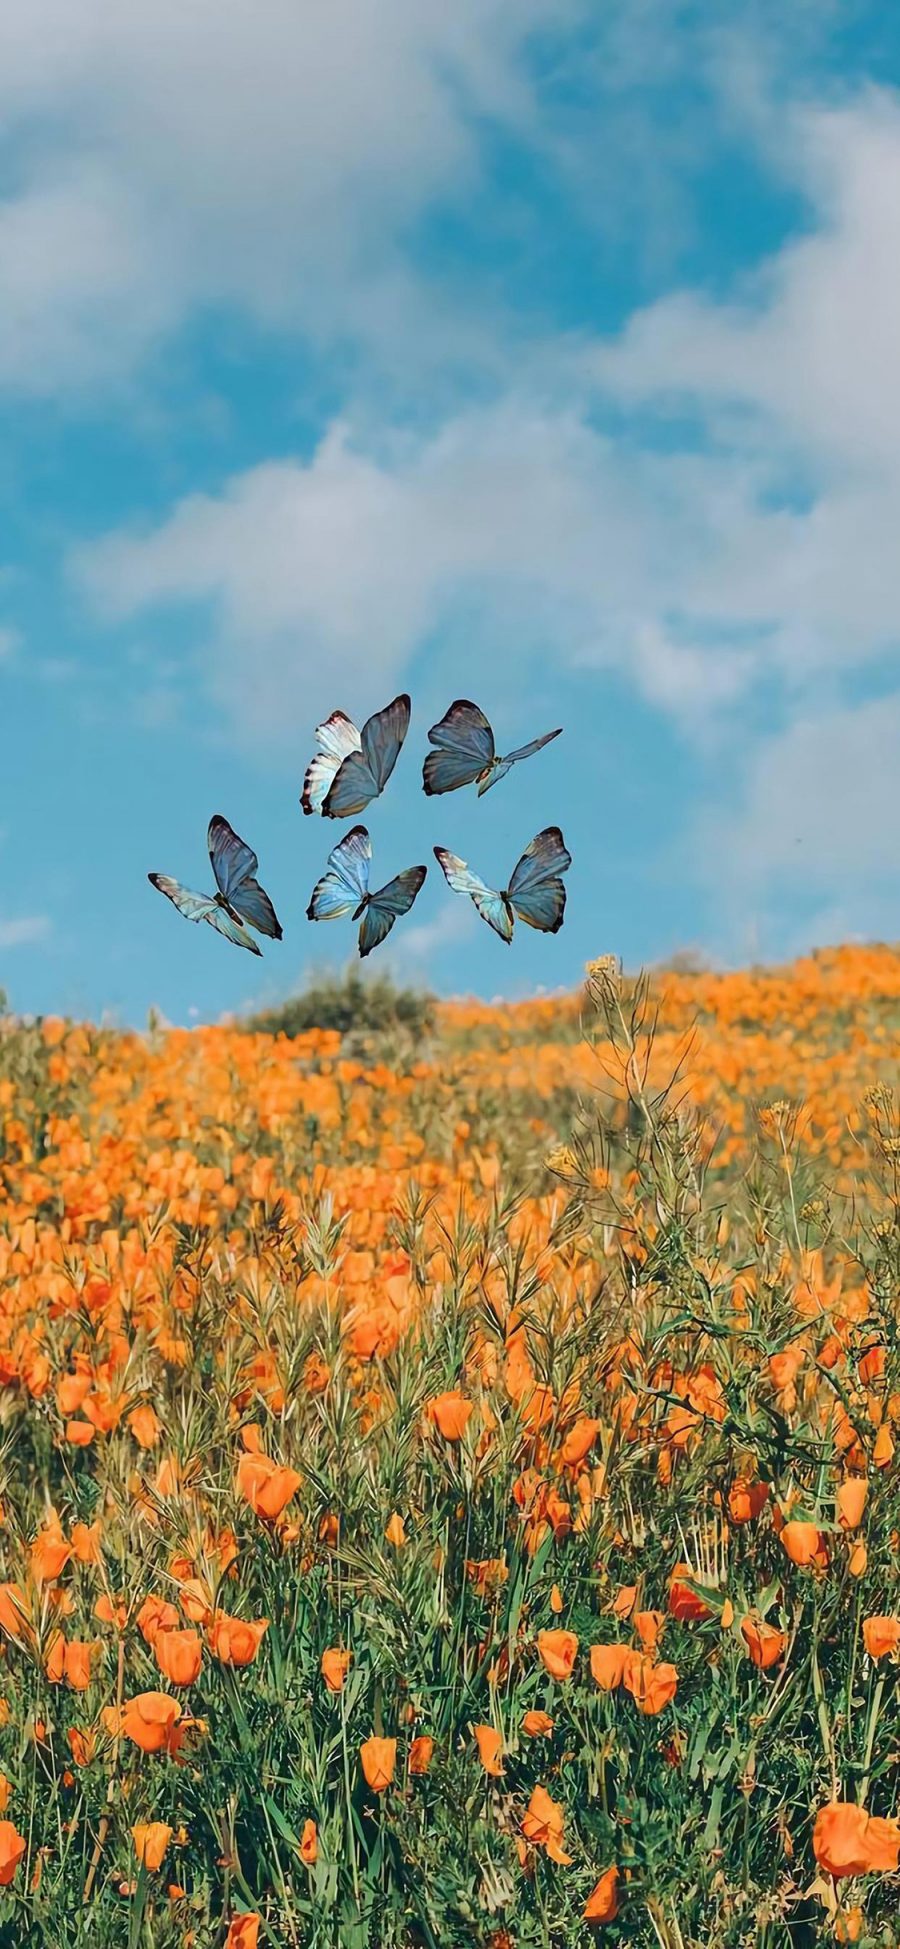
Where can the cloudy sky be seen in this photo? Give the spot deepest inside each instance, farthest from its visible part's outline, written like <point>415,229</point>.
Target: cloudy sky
<point>521,349</point>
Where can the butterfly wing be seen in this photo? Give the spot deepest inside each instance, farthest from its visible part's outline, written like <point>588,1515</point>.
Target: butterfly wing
<point>198,906</point>
<point>346,880</point>
<point>536,890</point>
<point>493,907</point>
<point>464,747</point>
<point>528,750</point>
<point>336,739</point>
<point>363,774</point>
<point>387,905</point>
<point>234,864</point>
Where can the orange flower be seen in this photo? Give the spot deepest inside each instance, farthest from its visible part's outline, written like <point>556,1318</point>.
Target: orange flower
<point>602,1904</point>
<point>848,1841</point>
<point>49,1554</point>
<point>243,1932</point>
<point>685,1604</point>
<point>764,1643</point>
<point>156,1615</point>
<point>145,1425</point>
<point>150,1720</point>
<point>12,1848</point>
<point>579,1441</point>
<point>235,1640</point>
<point>450,1413</point>
<point>13,1611</point>
<point>309,1843</point>
<point>151,1838</point>
<point>851,1501</point>
<point>77,1662</point>
<point>420,1754</point>
<point>881,1635</point>
<point>86,1542</point>
<point>179,1655</point>
<point>608,1665</point>
<point>802,1541</point>
<point>651,1686</point>
<point>538,1725</point>
<point>542,1825</point>
<point>80,1433</point>
<point>490,1747</point>
<point>107,1612</point>
<point>556,1601</point>
<point>624,1601</point>
<point>649,1626</point>
<point>82,1745</point>
<point>335,1666</point>
<point>379,1758</point>
<point>558,1651</point>
<point>395,1532</point>
<point>746,1499</point>
<point>266,1485</point>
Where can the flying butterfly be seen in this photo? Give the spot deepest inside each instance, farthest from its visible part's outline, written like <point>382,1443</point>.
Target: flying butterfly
<point>239,898</point>
<point>465,753</point>
<point>352,767</point>
<point>344,889</point>
<point>535,893</point>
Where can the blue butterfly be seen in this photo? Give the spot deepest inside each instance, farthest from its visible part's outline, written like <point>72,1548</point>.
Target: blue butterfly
<point>352,767</point>
<point>535,892</point>
<point>239,899</point>
<point>465,751</point>
<point>344,889</point>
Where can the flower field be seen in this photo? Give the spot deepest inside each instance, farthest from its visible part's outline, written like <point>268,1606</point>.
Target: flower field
<point>449,1483</point>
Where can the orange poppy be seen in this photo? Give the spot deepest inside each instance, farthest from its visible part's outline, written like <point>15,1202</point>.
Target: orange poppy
<point>602,1904</point>
<point>179,1655</point>
<point>420,1754</point>
<point>243,1932</point>
<point>309,1843</point>
<point>579,1441</point>
<point>156,1615</point>
<point>396,1532</point>
<point>685,1603</point>
<point>13,1611</point>
<point>746,1499</point>
<point>651,1686</point>
<point>490,1746</point>
<point>145,1425</point>
<point>558,1651</point>
<point>335,1666</point>
<point>881,1636</point>
<point>851,1501</point>
<point>150,1720</point>
<point>538,1725</point>
<point>542,1825</point>
<point>450,1413</point>
<point>649,1627</point>
<point>764,1643</point>
<point>848,1841</point>
<point>379,1758</point>
<point>802,1541</point>
<point>12,1848</point>
<point>266,1485</point>
<point>235,1640</point>
<point>151,1838</point>
<point>82,1745</point>
<point>608,1665</point>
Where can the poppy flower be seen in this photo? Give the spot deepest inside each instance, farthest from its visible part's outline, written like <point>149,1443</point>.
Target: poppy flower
<point>556,1601</point>
<point>608,1665</point>
<point>150,1720</point>
<point>802,1541</point>
<point>145,1425</point>
<point>490,1747</point>
<point>151,1838</point>
<point>420,1754</point>
<point>266,1485</point>
<point>857,1561</point>
<point>80,1434</point>
<point>881,1636</point>
<point>649,1627</point>
<point>179,1655</point>
<point>235,1640</point>
<point>82,1745</point>
<point>651,1686</point>
<point>107,1612</point>
<point>542,1825</point>
<point>764,1644</point>
<point>335,1666</point>
<point>848,1841</point>
<point>156,1615</point>
<point>746,1499</point>
<point>243,1932</point>
<point>78,1656</point>
<point>602,1904</point>
<point>12,1848</point>
<point>49,1554</point>
<point>379,1758</point>
<point>558,1651</point>
<point>579,1441</point>
<point>538,1725</point>
<point>449,1414</point>
<point>685,1603</point>
<point>309,1843</point>
<point>13,1611</point>
<point>851,1501</point>
<point>396,1532</point>
<point>883,1450</point>
<point>85,1540</point>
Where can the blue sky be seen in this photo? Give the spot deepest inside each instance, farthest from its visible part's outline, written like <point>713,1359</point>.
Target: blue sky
<point>524,350</point>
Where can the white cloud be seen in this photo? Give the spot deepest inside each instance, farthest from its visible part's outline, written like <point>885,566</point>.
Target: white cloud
<point>424,941</point>
<point>25,932</point>
<point>259,153</point>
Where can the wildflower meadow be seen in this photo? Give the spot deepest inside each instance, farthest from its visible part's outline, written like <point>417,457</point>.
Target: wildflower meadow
<point>449,1476</point>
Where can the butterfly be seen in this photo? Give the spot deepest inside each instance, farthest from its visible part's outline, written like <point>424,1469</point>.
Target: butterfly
<point>535,893</point>
<point>344,889</point>
<point>465,751</point>
<point>352,767</point>
<point>239,898</point>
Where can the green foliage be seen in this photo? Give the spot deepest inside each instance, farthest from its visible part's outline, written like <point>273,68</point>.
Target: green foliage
<point>350,1004</point>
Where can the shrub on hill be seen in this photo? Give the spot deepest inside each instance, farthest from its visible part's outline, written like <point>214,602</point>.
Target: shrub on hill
<point>351,1005</point>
